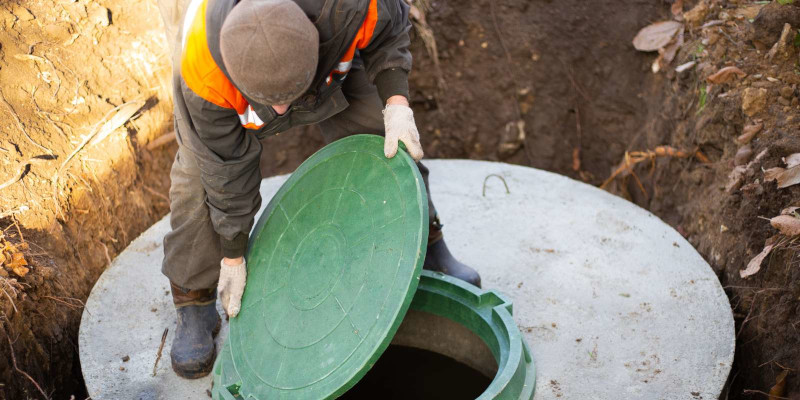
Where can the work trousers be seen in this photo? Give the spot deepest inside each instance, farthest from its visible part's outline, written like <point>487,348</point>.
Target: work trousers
<point>192,250</point>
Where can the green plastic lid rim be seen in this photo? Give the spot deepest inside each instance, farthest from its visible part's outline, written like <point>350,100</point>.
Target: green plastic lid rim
<point>516,373</point>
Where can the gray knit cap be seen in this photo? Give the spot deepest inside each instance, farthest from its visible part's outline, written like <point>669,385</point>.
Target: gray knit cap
<point>270,49</point>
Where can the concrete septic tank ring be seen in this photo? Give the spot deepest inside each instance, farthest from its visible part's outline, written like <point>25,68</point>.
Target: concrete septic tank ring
<point>334,262</point>
<point>612,301</point>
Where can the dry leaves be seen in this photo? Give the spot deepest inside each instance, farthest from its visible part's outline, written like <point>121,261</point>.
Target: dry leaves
<point>122,115</point>
<point>785,176</point>
<point>726,75</point>
<point>789,210</point>
<point>786,224</point>
<point>755,264</point>
<point>749,132</point>
<point>656,36</point>
<point>777,391</point>
<point>12,258</point>
<point>792,160</point>
<point>737,175</point>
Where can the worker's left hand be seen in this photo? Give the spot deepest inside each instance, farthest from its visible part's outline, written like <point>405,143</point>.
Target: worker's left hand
<point>232,279</point>
<point>398,120</point>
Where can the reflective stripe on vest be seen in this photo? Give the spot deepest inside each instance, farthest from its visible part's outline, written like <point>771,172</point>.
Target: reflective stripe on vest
<point>250,119</point>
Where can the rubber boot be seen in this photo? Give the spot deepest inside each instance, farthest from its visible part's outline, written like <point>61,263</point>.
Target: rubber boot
<point>439,259</point>
<point>199,322</point>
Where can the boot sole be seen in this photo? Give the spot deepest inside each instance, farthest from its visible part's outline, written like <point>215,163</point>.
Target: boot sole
<point>204,370</point>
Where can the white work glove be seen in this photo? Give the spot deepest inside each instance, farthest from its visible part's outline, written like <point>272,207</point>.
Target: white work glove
<point>231,286</point>
<point>399,123</point>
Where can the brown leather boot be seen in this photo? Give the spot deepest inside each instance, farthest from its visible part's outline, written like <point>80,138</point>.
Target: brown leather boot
<point>193,349</point>
<point>439,259</point>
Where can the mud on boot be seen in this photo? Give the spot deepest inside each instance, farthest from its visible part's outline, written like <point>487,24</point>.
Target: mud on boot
<point>193,350</point>
<point>439,259</point>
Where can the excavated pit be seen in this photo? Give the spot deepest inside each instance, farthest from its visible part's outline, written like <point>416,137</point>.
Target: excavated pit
<point>566,70</point>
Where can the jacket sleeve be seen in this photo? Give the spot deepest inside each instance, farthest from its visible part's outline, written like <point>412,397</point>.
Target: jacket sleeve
<point>228,158</point>
<point>387,58</point>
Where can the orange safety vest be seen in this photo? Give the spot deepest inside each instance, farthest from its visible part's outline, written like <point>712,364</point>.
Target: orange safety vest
<point>206,79</point>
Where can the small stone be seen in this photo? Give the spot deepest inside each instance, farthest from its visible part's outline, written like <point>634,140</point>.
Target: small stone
<point>126,359</point>
<point>754,101</point>
<point>783,101</point>
<point>99,16</point>
<point>484,45</point>
<point>743,155</point>
<point>787,92</point>
<point>122,368</point>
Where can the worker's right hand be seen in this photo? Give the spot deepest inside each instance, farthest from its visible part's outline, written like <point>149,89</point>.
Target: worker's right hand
<point>232,279</point>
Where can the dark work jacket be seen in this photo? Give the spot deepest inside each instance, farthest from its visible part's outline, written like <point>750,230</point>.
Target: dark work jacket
<point>220,126</point>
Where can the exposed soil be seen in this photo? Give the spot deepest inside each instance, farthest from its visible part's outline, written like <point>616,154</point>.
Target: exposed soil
<point>64,65</point>
<point>555,85</point>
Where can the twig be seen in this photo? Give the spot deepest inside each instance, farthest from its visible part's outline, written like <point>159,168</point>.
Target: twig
<point>23,168</point>
<point>771,396</point>
<point>19,231</point>
<point>9,297</point>
<point>576,152</point>
<point>634,157</point>
<point>747,317</point>
<point>73,306</point>
<point>498,177</point>
<point>161,141</point>
<point>155,193</point>
<point>23,373</point>
<point>160,348</point>
<point>83,144</point>
<point>20,126</point>
<point>108,258</point>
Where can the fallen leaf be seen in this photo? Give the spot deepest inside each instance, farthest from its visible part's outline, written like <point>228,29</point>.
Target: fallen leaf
<point>656,36</point>
<point>726,75</point>
<point>755,264</point>
<point>123,114</point>
<point>17,264</point>
<point>789,210</point>
<point>792,160</point>
<point>789,177</point>
<point>735,178</point>
<point>684,67</point>
<point>749,132</point>
<point>668,52</point>
<point>786,224</point>
<point>777,391</point>
<point>773,173</point>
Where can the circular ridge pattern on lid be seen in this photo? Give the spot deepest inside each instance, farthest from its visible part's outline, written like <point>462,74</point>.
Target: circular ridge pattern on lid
<point>332,266</point>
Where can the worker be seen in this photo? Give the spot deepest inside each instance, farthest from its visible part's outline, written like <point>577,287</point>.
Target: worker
<point>248,69</point>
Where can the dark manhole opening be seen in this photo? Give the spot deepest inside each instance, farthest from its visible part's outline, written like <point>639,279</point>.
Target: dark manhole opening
<point>408,373</point>
<point>431,357</point>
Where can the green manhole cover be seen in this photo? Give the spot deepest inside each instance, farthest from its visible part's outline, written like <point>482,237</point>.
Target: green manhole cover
<point>333,264</point>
